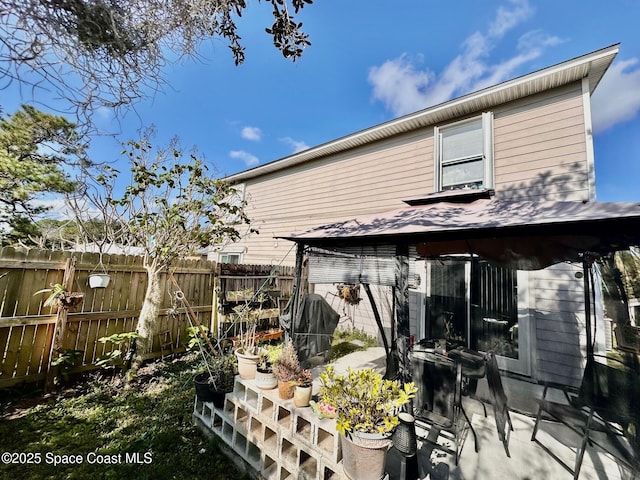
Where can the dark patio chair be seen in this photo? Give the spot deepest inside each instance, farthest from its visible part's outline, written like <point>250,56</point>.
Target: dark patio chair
<point>499,402</point>
<point>438,405</point>
<point>607,401</point>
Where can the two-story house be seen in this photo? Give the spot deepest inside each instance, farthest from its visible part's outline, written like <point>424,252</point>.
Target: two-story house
<point>529,138</point>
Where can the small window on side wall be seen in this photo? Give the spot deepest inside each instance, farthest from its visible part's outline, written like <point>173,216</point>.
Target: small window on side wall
<point>230,258</point>
<point>464,154</point>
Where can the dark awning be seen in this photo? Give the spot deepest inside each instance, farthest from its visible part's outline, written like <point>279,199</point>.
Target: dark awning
<point>527,235</point>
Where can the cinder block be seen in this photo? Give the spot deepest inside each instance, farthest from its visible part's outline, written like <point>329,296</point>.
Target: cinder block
<point>241,418</point>
<point>267,409</point>
<point>289,453</point>
<point>284,418</point>
<point>252,397</point>
<point>328,442</point>
<point>253,455</point>
<point>304,429</point>
<point>217,423</point>
<point>330,471</point>
<point>307,466</point>
<point>254,432</point>
<point>270,468</point>
<point>227,433</point>
<point>240,444</point>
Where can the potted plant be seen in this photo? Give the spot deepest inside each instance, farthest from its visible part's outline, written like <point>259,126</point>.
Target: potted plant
<point>217,379</point>
<point>246,349</point>
<point>265,378</point>
<point>304,389</point>
<point>367,408</point>
<point>287,370</point>
<point>60,297</point>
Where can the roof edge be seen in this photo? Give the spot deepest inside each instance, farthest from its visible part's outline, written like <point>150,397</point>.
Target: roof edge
<point>395,126</point>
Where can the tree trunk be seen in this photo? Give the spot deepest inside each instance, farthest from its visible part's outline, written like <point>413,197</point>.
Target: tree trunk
<point>146,328</point>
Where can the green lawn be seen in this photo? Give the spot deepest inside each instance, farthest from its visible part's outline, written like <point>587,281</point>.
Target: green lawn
<point>112,432</point>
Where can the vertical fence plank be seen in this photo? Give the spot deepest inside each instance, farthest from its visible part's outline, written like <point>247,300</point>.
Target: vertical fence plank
<point>41,347</point>
<point>25,350</point>
<point>11,353</point>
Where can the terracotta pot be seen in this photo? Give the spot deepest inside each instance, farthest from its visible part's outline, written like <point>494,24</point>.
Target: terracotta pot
<point>265,379</point>
<point>364,455</point>
<point>286,390</point>
<point>302,396</point>
<point>247,364</point>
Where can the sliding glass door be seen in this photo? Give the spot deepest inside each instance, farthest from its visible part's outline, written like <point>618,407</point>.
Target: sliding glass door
<point>482,305</point>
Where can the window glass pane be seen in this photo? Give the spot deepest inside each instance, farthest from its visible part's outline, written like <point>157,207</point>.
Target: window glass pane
<point>462,141</point>
<point>230,258</point>
<point>463,173</point>
<point>494,316</point>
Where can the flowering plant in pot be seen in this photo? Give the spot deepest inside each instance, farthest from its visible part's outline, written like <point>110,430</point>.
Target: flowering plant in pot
<point>287,370</point>
<point>367,407</point>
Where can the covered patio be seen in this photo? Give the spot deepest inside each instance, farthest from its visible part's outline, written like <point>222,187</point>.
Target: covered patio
<point>522,235</point>
<point>528,459</point>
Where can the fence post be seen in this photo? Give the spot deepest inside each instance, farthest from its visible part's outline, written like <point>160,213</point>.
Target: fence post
<point>61,323</point>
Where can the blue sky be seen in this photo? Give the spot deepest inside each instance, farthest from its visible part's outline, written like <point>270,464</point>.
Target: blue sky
<point>371,61</point>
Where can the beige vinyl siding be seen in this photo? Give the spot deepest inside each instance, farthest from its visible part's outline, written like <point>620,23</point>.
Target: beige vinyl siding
<point>539,153</point>
<point>368,179</point>
<point>540,147</point>
<point>560,336</point>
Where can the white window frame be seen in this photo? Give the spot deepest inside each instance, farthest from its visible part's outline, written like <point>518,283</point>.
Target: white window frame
<point>487,149</point>
<point>222,255</point>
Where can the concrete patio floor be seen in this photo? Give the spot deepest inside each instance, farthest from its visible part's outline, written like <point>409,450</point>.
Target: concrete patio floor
<point>528,460</point>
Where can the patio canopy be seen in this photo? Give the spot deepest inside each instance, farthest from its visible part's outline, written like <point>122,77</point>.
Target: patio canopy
<point>520,234</point>
<point>526,235</point>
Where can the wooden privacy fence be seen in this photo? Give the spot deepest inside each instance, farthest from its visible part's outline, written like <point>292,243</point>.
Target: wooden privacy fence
<point>263,287</point>
<point>27,328</point>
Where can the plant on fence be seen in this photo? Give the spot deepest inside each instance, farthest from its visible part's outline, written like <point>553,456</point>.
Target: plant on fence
<point>116,358</point>
<point>364,400</point>
<point>60,297</point>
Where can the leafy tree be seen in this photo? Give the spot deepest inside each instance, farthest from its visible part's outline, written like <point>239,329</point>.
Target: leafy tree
<point>172,207</point>
<point>35,150</point>
<point>110,53</point>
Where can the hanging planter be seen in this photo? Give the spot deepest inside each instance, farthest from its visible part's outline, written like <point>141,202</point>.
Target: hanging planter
<point>99,280</point>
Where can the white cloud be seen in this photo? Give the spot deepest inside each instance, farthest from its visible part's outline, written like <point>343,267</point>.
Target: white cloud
<point>617,98</point>
<point>297,146</point>
<point>507,19</point>
<point>251,133</point>
<point>249,160</point>
<point>403,87</point>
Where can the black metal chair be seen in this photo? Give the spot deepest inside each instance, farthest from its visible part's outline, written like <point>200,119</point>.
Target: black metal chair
<point>438,403</point>
<point>499,402</point>
<point>607,401</point>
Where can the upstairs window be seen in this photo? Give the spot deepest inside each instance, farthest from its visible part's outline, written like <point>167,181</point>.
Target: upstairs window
<point>464,154</point>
